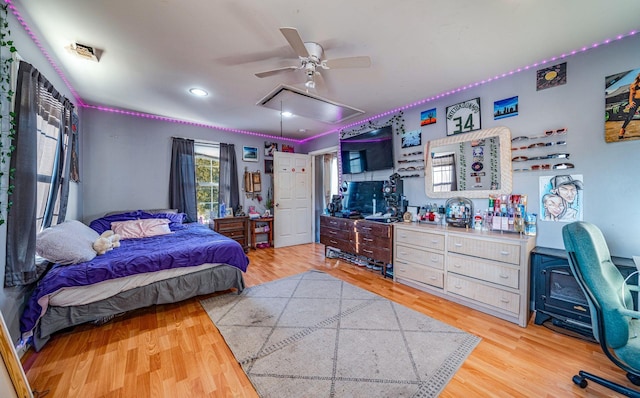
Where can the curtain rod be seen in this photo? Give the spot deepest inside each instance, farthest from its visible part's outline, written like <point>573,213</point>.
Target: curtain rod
<point>198,141</point>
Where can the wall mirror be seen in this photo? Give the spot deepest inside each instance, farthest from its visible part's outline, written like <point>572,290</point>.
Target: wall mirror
<point>473,165</point>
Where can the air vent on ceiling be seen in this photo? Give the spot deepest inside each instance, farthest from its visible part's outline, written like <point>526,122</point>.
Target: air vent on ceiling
<point>83,51</point>
<point>302,103</point>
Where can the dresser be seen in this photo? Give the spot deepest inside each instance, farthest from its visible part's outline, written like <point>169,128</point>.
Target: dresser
<point>370,239</point>
<point>487,271</point>
<point>236,228</point>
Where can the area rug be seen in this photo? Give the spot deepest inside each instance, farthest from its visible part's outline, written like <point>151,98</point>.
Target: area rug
<point>313,335</point>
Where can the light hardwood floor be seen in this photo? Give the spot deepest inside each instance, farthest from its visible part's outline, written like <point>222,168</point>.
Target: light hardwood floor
<point>175,350</point>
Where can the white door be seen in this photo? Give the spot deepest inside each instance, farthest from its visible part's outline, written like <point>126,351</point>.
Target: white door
<point>291,199</point>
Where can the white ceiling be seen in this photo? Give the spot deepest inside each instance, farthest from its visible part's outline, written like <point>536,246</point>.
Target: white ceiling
<point>154,51</point>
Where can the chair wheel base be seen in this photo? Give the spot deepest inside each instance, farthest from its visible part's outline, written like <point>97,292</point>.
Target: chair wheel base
<point>634,378</point>
<point>580,381</point>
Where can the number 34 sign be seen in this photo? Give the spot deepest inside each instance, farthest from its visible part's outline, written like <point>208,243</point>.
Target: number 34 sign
<point>463,117</point>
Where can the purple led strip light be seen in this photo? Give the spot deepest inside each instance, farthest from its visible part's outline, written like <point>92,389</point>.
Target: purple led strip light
<point>378,116</point>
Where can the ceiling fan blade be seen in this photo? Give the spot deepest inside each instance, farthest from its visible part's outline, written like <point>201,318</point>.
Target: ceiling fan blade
<point>295,41</point>
<point>275,71</point>
<point>348,62</point>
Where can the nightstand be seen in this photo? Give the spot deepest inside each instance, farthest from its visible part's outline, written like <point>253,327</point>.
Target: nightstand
<point>236,228</point>
<point>261,226</point>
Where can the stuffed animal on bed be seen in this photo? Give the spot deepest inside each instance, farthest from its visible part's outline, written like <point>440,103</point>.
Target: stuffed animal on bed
<point>107,241</point>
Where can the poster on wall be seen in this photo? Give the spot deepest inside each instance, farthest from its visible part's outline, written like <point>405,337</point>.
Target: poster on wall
<point>561,197</point>
<point>287,148</point>
<point>507,107</point>
<point>463,117</point>
<point>270,148</point>
<point>411,138</point>
<point>428,117</point>
<point>551,77</point>
<point>622,98</point>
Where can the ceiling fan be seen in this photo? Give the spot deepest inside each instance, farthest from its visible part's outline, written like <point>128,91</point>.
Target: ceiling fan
<point>311,57</point>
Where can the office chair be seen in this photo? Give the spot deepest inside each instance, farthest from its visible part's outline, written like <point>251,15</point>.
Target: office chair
<point>616,325</point>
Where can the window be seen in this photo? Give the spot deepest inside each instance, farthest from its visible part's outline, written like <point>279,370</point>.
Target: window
<point>444,173</point>
<point>207,181</point>
<point>51,147</point>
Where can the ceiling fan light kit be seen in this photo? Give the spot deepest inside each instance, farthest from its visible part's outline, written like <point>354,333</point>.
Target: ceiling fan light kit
<point>311,57</point>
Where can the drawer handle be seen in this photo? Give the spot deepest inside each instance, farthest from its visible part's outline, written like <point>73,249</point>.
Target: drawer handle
<point>333,232</point>
<point>457,266</point>
<point>367,228</point>
<point>367,251</point>
<point>434,241</point>
<point>403,236</point>
<point>367,239</point>
<point>402,262</point>
<point>504,276</point>
<point>333,222</point>
<point>434,259</point>
<point>505,253</point>
<point>458,287</point>
<point>504,300</point>
<point>458,244</point>
<point>334,242</point>
<point>433,278</point>
<point>402,270</point>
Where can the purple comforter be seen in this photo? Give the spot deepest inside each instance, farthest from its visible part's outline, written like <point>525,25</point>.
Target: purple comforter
<point>192,245</point>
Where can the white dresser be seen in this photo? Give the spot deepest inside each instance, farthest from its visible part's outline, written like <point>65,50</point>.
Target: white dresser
<point>487,271</point>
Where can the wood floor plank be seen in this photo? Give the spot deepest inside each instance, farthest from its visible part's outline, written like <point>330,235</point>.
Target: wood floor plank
<point>174,350</point>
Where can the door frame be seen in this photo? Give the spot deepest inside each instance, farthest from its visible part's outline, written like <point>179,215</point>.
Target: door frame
<point>314,154</point>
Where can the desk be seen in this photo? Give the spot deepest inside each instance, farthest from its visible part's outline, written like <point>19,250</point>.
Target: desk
<point>263,226</point>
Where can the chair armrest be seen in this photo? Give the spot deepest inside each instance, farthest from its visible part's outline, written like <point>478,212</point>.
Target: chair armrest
<point>633,287</point>
<point>631,313</point>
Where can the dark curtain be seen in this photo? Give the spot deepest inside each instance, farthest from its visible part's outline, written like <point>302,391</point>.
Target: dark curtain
<point>229,188</point>
<point>34,96</point>
<point>182,178</point>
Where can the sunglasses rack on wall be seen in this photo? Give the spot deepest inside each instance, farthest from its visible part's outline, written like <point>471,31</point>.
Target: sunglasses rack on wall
<point>411,165</point>
<point>541,152</point>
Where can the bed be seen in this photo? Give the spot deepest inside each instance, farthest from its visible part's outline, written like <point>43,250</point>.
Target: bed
<point>184,261</point>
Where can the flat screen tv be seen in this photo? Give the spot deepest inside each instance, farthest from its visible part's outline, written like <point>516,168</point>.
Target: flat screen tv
<point>366,197</point>
<point>368,151</point>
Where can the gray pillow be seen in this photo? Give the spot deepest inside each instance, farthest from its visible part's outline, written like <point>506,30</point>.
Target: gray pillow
<point>68,243</point>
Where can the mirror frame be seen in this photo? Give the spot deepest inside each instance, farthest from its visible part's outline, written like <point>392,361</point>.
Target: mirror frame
<point>506,178</point>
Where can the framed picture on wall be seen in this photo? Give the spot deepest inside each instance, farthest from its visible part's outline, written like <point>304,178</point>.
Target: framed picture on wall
<point>552,76</point>
<point>270,148</point>
<point>268,166</point>
<point>249,154</point>
<point>411,138</point>
<point>621,118</point>
<point>287,148</point>
<point>505,108</point>
<point>463,117</point>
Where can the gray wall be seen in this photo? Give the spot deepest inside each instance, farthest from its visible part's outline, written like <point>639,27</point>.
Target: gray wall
<point>127,161</point>
<point>610,171</point>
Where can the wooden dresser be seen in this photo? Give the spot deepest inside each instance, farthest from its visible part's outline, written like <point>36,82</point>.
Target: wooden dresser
<point>484,270</point>
<point>236,228</point>
<point>370,239</point>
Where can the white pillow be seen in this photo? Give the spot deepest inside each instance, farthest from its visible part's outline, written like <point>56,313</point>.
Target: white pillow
<point>141,228</point>
<point>68,243</point>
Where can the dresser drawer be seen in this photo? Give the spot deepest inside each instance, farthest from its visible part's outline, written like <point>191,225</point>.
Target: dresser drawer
<point>419,273</point>
<point>226,226</point>
<point>379,253</point>
<point>498,251</point>
<point>492,296</point>
<point>373,228</point>
<point>486,270</point>
<point>343,245</point>
<point>336,223</point>
<point>422,257</point>
<point>420,239</point>
<point>343,234</point>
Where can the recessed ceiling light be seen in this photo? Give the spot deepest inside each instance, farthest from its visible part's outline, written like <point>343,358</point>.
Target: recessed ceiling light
<point>199,92</point>
<point>302,130</point>
<point>287,114</point>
